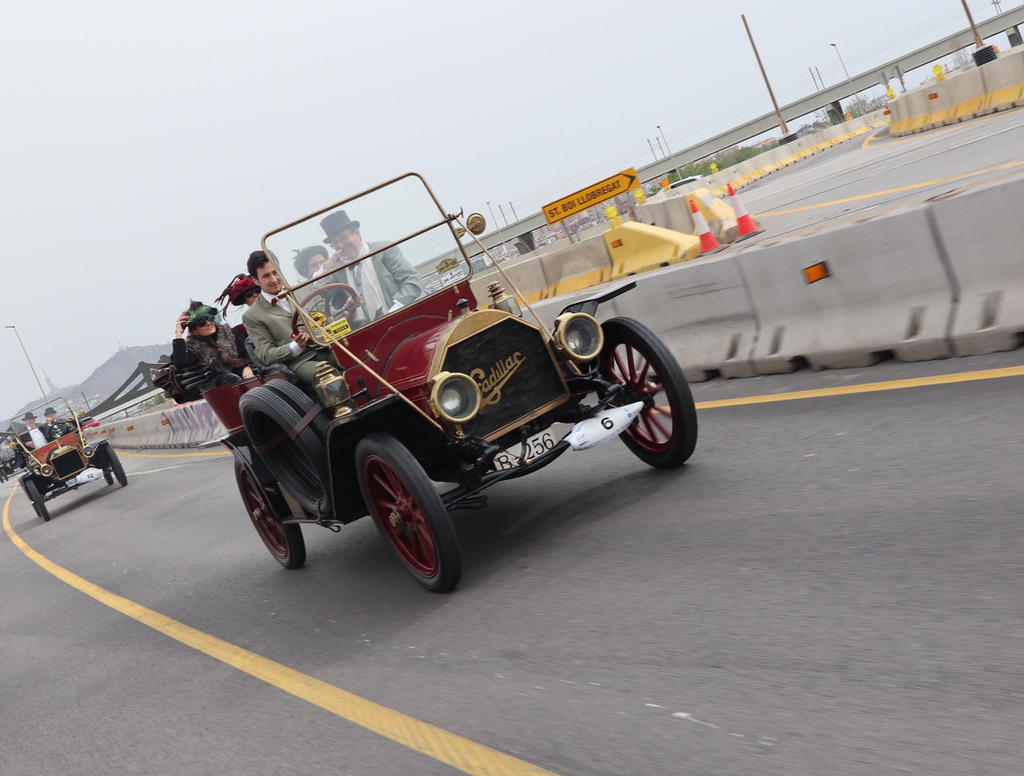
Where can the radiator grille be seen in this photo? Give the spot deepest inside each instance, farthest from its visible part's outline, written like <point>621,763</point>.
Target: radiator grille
<point>66,462</point>
<point>515,370</point>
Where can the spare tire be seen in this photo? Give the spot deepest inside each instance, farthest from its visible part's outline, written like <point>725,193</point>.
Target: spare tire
<point>298,460</point>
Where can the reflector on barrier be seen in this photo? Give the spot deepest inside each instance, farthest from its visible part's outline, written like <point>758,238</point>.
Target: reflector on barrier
<point>816,272</point>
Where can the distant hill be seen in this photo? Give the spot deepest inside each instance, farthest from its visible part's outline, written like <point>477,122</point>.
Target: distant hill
<point>107,377</point>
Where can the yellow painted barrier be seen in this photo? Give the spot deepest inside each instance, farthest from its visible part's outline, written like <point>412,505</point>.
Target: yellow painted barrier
<point>635,247</point>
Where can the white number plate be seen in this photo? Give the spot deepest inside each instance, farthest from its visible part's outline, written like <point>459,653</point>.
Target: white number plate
<point>536,445</point>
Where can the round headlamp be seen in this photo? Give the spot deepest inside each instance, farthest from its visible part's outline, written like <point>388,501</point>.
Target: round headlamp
<point>455,397</point>
<point>579,336</point>
<point>46,470</point>
<point>89,451</point>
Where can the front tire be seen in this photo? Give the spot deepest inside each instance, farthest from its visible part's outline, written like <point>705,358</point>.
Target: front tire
<point>285,542</point>
<point>408,512</point>
<point>115,468</point>
<point>37,499</point>
<point>665,434</point>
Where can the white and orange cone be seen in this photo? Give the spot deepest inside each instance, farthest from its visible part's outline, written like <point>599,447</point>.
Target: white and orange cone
<point>746,226</point>
<point>708,242</point>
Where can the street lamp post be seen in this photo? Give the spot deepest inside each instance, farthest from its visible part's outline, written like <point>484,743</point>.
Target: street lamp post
<point>42,391</point>
<point>841,62</point>
<point>667,152</point>
<point>498,227</point>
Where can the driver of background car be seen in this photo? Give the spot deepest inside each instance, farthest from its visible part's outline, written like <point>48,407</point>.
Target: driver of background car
<point>33,437</point>
<point>210,342</point>
<point>54,426</point>
<point>269,323</point>
<point>385,283</point>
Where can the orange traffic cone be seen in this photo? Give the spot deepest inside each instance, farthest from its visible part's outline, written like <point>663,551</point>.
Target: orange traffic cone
<point>708,242</point>
<point>746,225</point>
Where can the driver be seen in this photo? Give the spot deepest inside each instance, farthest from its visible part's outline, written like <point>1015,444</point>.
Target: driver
<point>269,323</point>
<point>385,283</point>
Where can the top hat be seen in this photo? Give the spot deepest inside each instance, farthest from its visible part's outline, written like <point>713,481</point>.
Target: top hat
<point>29,416</point>
<point>335,222</point>
<point>50,411</point>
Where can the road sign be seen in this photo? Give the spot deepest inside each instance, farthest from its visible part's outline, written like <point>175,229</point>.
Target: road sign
<point>591,195</point>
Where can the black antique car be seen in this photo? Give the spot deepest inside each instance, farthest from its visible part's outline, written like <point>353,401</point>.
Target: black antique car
<point>421,406</point>
<point>56,457</point>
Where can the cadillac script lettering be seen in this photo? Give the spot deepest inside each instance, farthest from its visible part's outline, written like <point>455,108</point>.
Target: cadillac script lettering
<point>493,382</point>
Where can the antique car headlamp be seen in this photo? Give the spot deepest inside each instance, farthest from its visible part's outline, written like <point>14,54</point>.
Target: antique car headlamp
<point>332,390</point>
<point>455,397</point>
<point>89,451</point>
<point>46,470</point>
<point>579,336</point>
<point>502,301</point>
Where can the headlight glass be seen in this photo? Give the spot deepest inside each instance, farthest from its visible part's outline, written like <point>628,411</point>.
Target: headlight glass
<point>579,335</point>
<point>455,397</point>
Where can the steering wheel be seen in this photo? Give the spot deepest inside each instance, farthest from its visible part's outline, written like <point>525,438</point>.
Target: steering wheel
<point>322,291</point>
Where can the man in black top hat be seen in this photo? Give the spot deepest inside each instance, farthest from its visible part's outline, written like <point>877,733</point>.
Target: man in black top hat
<point>34,436</point>
<point>385,283</point>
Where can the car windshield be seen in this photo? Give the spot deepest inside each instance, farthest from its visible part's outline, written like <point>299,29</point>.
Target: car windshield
<point>52,419</point>
<point>386,247</point>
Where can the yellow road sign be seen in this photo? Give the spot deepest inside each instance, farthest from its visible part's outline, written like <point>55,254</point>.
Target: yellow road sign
<point>591,195</point>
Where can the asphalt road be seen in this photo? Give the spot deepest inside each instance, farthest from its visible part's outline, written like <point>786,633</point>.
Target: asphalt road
<point>832,585</point>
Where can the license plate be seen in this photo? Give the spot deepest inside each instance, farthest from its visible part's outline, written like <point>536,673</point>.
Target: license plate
<point>536,445</point>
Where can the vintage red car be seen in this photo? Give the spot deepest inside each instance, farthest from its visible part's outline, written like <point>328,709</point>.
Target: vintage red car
<point>424,404</point>
<point>56,457</point>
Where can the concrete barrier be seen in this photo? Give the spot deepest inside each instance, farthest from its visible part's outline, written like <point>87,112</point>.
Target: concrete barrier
<point>579,265</point>
<point>981,233</point>
<point>703,313</point>
<point>966,93</point>
<point>887,295</point>
<point>1004,82</point>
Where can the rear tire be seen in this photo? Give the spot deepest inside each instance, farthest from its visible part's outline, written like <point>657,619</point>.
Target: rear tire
<point>408,512</point>
<point>270,414</point>
<point>36,498</point>
<point>285,542</point>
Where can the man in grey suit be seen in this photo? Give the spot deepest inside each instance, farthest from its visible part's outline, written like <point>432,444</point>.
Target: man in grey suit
<point>385,282</point>
<point>269,324</point>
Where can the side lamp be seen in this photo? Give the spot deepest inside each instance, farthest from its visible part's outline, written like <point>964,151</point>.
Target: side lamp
<point>502,301</point>
<point>332,390</point>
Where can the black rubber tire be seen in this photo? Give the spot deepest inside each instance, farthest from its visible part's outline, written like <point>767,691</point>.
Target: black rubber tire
<point>409,512</point>
<point>634,355</point>
<point>285,542</point>
<point>108,475</point>
<point>298,463</point>
<point>36,498</point>
<point>116,469</point>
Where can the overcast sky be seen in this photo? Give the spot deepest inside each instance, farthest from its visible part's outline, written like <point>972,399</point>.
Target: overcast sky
<point>147,147</point>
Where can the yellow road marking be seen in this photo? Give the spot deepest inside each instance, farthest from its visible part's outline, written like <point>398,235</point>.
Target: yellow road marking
<point>913,186</point>
<point>845,390</point>
<point>446,747</point>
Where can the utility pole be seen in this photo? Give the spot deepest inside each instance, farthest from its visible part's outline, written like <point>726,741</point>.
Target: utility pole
<point>764,75</point>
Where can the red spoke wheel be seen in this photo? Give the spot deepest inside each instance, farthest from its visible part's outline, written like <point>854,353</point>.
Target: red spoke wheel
<point>665,434</point>
<point>285,542</point>
<point>408,512</point>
